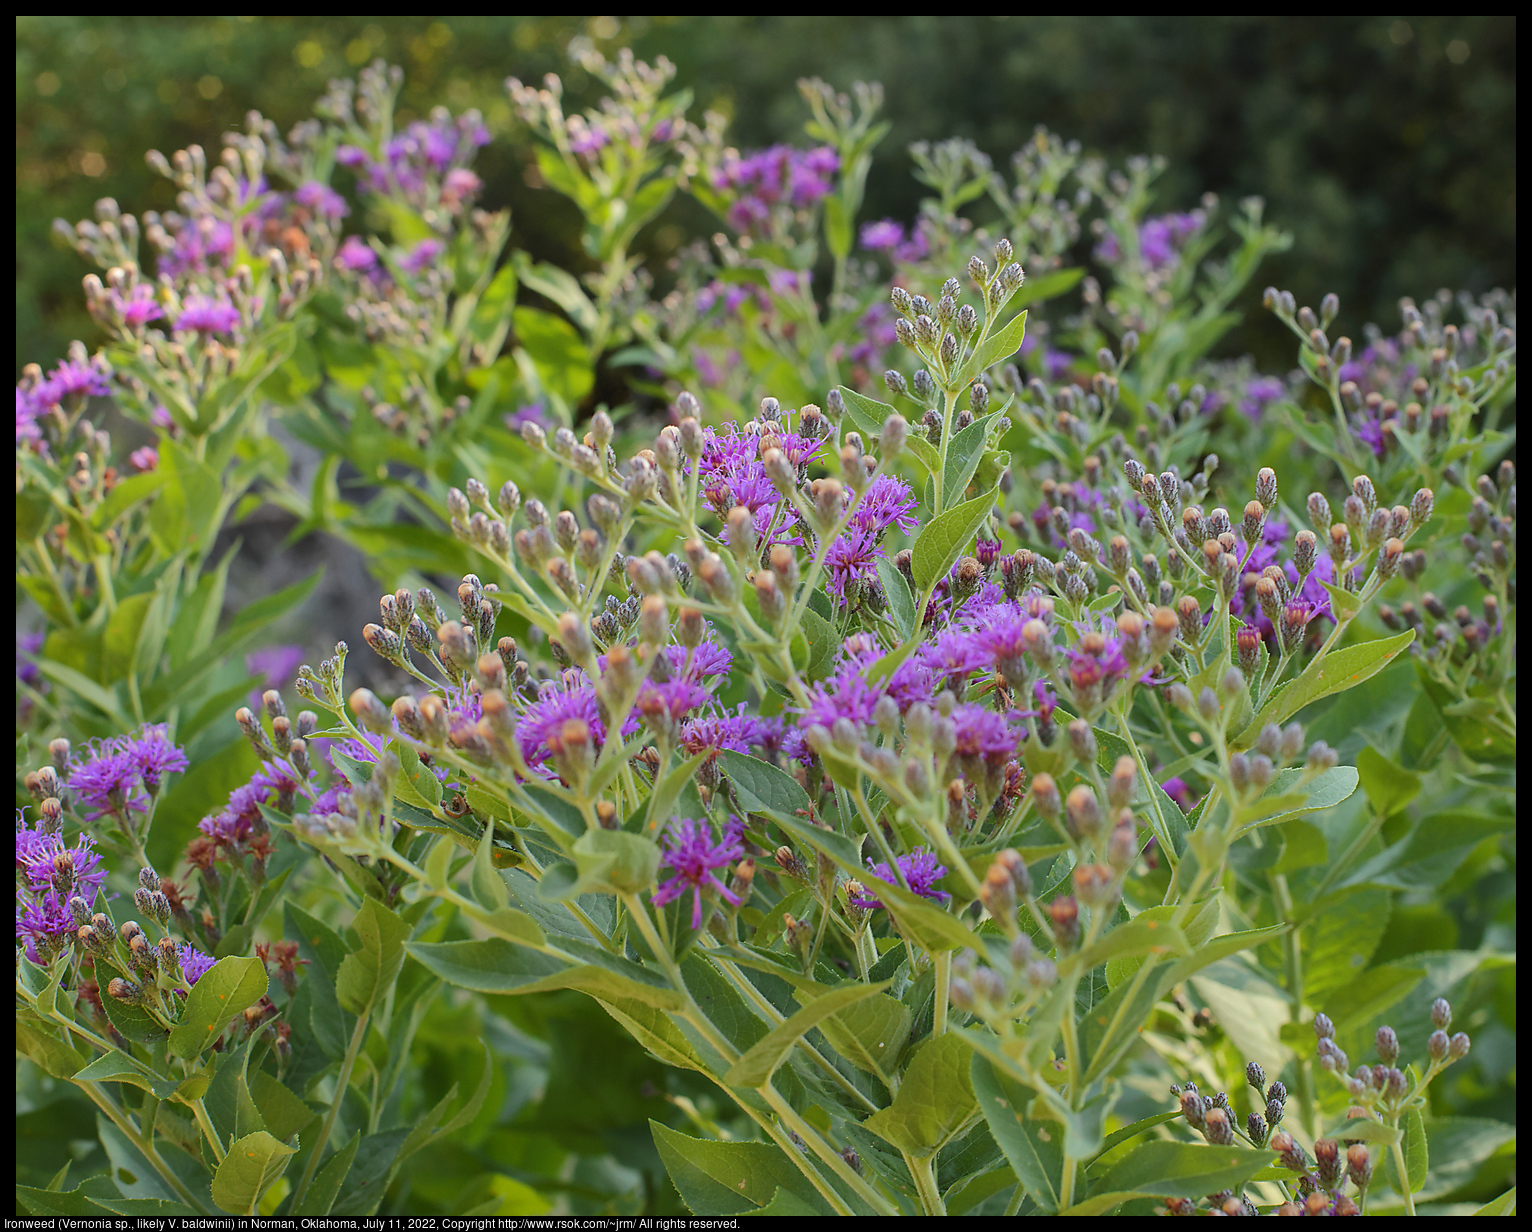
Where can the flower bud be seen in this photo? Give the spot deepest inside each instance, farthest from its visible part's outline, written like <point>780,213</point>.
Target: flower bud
<point>1441,1013</point>
<point>1387,1043</point>
<point>1083,813</point>
<point>1045,795</point>
<point>1359,1165</point>
<point>1457,1046</point>
<point>1437,1046</point>
<point>1217,1128</point>
<point>1319,511</point>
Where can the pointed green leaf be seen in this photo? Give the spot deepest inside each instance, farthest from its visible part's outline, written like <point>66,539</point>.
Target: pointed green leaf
<point>223,992</point>
<point>488,884</point>
<point>756,1066</point>
<point>728,1178</point>
<point>871,1034</point>
<point>1032,1148</point>
<point>1171,1170</point>
<point>328,1180</point>
<point>946,537</point>
<point>253,1163</point>
<point>366,973</point>
<point>1337,672</point>
<point>616,862</point>
<point>936,1101</point>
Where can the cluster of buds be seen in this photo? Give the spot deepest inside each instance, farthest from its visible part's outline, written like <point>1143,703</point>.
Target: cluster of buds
<point>1002,990</point>
<point>1385,1089</point>
<point>943,333</point>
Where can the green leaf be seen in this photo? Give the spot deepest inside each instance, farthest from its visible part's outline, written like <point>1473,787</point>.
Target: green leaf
<point>326,1184</point>
<point>1345,603</point>
<point>283,1112</point>
<point>120,1067</point>
<point>728,1178</point>
<point>615,862</point>
<point>1288,797</point>
<point>1479,740</point>
<point>488,886</point>
<point>558,285</point>
<point>119,643</point>
<point>366,974</point>
<point>936,1101</point>
<point>963,454</point>
<point>868,414</point>
<point>1413,1126</point>
<point>493,965</point>
<point>1505,1204</point>
<point>997,348</point>
<point>1337,672</point>
<point>871,1034</point>
<point>223,992</point>
<point>491,319</point>
<point>669,789</point>
<point>1171,1170</point>
<point>559,354</point>
<point>1432,851</point>
<point>424,785</point>
<point>1047,286</point>
<point>756,1066</point>
<point>650,1026</point>
<point>1339,939</point>
<point>946,537</point>
<point>46,1044</point>
<point>253,1163</point>
<point>901,603</point>
<point>762,787</point>
<point>1034,1151</point>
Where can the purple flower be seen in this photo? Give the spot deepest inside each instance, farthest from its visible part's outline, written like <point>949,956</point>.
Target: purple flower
<point>1259,394</point>
<point>194,963</point>
<point>670,701</point>
<point>694,857</point>
<point>144,459</point>
<point>921,872</point>
<point>322,199</point>
<point>852,557</point>
<point>138,307</point>
<point>1178,791</point>
<point>844,695</point>
<point>703,660</point>
<point>27,645</point>
<point>154,755</point>
<point>573,697</point>
<point>356,255</point>
<point>887,502</point>
<point>207,315</point>
<point>953,656</point>
<point>43,922</point>
<point>107,783</point>
<point>737,732</point>
<point>276,665</point>
<point>882,236</point>
<point>421,256</point>
<point>37,853</point>
<point>79,380</point>
<point>1056,364</point>
<point>983,735</point>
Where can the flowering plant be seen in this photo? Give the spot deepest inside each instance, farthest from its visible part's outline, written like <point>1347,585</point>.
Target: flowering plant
<point>930,778</point>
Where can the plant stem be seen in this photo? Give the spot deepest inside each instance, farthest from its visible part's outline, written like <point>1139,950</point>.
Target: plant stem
<point>342,1081</point>
<point>942,962</point>
<point>199,1110</point>
<point>1404,1181</point>
<point>925,1183</point>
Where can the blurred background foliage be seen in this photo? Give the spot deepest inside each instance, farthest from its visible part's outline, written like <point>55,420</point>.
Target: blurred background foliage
<point>1386,144</point>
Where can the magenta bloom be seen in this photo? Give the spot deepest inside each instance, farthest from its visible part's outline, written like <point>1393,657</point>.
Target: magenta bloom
<point>207,315</point>
<point>983,734</point>
<point>852,557</point>
<point>737,732</point>
<point>882,236</point>
<point>574,698</point>
<point>322,199</point>
<point>356,255</point>
<point>921,872</point>
<point>694,857</point>
<point>194,963</point>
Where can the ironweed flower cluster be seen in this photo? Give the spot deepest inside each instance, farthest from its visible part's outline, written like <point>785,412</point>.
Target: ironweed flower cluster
<point>931,776</point>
